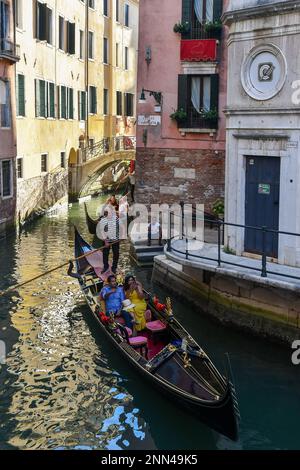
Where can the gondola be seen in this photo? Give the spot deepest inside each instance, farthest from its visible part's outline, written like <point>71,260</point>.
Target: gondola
<point>173,362</point>
<point>91,223</point>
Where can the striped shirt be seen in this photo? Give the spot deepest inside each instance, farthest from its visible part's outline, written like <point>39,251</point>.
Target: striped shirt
<point>109,228</point>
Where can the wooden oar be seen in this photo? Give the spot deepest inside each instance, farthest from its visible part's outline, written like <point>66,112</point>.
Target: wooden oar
<point>17,286</point>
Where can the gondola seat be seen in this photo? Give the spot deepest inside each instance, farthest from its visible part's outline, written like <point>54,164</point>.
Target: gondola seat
<point>155,327</point>
<point>140,343</point>
<point>129,331</point>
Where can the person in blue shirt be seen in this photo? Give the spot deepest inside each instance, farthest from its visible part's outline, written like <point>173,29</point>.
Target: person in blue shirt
<point>113,296</point>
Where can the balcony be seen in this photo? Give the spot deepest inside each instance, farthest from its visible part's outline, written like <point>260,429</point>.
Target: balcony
<point>195,121</point>
<point>9,50</point>
<point>199,41</point>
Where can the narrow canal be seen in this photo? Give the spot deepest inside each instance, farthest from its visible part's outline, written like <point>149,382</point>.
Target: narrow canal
<point>63,387</point>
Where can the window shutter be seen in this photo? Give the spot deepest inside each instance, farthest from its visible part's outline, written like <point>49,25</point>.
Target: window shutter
<point>71,110</point>
<point>79,105</point>
<point>214,92</point>
<point>186,15</point>
<point>71,39</point>
<point>48,28</point>
<point>83,105</point>
<point>63,102</point>
<point>217,9</point>
<point>183,92</point>
<point>42,99</point>
<point>21,95</point>
<point>37,97</point>
<point>51,100</point>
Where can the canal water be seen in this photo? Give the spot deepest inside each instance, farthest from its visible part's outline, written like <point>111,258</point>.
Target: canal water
<point>64,387</point>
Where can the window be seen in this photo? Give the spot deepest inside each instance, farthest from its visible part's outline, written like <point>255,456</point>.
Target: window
<point>119,103</point>
<point>4,21</point>
<point>44,162</point>
<point>117,10</point>
<point>19,13</point>
<point>43,22</point>
<point>126,58</point>
<point>129,104</point>
<point>82,105</point>
<point>81,44</point>
<point>126,14</point>
<point>66,104</point>
<point>6,178</point>
<point>105,101</point>
<point>70,46</point>
<point>93,100</point>
<point>117,55</point>
<point>105,50</point>
<point>63,159</point>
<point>61,40</point>
<point>197,96</point>
<point>105,7</point>
<point>92,4</point>
<point>91,45</point>
<point>20,95</point>
<point>5,118</point>
<point>91,142</point>
<point>44,99</point>
<point>198,12</point>
<point>20,168</point>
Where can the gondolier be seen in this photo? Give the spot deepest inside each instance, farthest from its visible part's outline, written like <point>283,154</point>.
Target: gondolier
<point>108,231</point>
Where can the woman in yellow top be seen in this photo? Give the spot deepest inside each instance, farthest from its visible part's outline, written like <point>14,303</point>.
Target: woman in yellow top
<point>134,292</point>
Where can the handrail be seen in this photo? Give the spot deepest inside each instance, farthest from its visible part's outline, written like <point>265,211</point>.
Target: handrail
<point>220,225</point>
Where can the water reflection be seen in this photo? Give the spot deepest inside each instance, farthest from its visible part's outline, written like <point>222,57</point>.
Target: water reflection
<point>64,387</point>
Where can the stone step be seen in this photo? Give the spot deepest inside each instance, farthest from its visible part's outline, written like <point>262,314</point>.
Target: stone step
<point>147,249</point>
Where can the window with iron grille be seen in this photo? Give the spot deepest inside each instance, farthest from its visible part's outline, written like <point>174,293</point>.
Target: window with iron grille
<point>44,163</point>
<point>197,13</point>
<point>119,103</point>
<point>6,178</point>
<point>20,168</point>
<point>63,159</point>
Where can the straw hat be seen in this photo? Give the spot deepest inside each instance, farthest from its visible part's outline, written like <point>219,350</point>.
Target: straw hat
<point>127,304</point>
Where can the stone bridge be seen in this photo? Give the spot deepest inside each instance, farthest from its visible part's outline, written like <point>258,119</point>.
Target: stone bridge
<point>93,161</point>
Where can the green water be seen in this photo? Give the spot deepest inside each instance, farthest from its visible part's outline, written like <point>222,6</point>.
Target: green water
<point>64,387</point>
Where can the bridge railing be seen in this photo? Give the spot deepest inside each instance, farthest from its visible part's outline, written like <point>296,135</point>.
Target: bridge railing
<point>107,145</point>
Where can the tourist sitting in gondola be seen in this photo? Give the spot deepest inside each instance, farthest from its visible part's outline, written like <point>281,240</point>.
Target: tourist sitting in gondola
<point>134,292</point>
<point>113,296</point>
<point>113,201</point>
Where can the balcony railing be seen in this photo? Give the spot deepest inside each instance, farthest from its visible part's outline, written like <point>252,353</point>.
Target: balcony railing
<point>195,120</point>
<point>107,145</point>
<point>9,50</point>
<point>201,31</point>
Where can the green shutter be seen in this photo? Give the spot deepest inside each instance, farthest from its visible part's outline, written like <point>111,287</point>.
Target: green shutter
<point>37,97</point>
<point>51,100</point>
<point>83,105</point>
<point>186,15</point>
<point>79,105</point>
<point>214,92</point>
<point>183,92</point>
<point>21,95</point>
<point>71,110</point>
<point>42,98</point>
<point>63,98</point>
<point>217,9</point>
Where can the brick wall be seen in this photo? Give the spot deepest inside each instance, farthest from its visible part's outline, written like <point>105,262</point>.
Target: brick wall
<point>174,175</point>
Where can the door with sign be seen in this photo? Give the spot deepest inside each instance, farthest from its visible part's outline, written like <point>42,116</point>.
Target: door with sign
<point>262,203</point>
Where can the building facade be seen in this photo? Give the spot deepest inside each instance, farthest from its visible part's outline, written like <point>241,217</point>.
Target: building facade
<point>181,126</point>
<point>263,122</point>
<point>8,58</point>
<point>67,83</point>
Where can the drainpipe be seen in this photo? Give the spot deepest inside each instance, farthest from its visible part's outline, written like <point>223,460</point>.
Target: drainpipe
<point>87,70</point>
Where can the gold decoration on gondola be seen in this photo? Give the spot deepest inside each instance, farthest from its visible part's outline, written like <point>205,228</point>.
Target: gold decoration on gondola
<point>169,309</point>
<point>120,279</point>
<point>186,360</point>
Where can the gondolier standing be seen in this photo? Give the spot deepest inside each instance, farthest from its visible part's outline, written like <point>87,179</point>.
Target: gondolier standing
<point>108,231</point>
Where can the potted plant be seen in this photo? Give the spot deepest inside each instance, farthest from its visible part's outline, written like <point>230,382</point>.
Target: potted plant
<point>213,28</point>
<point>181,28</point>
<point>211,115</point>
<point>218,208</point>
<point>179,115</point>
